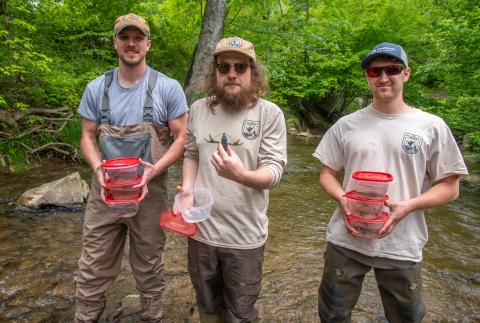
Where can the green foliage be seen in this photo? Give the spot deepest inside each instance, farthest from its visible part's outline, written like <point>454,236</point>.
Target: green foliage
<point>72,133</point>
<point>312,50</point>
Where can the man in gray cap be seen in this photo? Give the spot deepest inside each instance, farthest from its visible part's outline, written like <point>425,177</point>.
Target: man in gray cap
<point>131,111</point>
<point>236,148</point>
<point>417,149</point>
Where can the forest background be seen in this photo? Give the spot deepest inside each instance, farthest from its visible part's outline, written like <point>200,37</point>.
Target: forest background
<point>50,49</point>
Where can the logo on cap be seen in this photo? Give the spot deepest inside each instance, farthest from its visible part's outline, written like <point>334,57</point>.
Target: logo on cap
<point>235,42</point>
<point>132,17</point>
<point>382,50</point>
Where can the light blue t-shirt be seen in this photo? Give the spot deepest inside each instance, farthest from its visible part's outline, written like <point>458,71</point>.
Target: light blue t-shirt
<point>126,104</point>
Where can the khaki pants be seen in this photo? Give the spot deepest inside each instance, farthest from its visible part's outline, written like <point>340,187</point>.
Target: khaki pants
<point>103,244</point>
<point>226,281</point>
<point>399,283</point>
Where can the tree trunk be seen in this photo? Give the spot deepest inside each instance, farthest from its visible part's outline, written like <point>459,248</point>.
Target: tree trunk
<point>210,35</point>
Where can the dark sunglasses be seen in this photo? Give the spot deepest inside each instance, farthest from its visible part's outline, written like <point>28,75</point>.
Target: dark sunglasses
<point>390,70</point>
<point>224,68</point>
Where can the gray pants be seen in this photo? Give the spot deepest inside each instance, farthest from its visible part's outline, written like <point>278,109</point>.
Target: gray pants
<point>399,283</point>
<point>226,281</point>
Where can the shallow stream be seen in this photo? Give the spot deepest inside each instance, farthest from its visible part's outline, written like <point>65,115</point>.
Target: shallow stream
<point>39,253</point>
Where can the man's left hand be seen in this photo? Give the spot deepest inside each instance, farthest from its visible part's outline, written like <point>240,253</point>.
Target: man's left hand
<point>228,165</point>
<point>398,211</point>
<point>149,172</point>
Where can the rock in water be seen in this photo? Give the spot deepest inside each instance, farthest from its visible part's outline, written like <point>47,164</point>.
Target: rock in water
<point>69,192</point>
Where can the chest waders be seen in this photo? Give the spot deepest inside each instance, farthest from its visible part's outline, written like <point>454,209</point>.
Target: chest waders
<point>104,235</point>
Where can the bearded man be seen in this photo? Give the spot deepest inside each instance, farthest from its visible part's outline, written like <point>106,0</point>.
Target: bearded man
<point>236,148</point>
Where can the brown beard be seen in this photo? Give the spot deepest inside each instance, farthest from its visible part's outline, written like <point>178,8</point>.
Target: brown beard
<point>235,102</point>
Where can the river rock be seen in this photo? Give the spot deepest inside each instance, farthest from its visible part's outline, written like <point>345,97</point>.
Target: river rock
<point>472,180</point>
<point>131,301</point>
<point>69,192</point>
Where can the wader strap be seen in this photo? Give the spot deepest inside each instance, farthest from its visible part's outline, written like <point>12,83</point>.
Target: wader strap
<point>148,107</point>
<point>105,112</point>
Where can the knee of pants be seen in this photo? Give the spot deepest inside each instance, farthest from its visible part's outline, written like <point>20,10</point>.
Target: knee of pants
<point>340,287</point>
<point>400,290</point>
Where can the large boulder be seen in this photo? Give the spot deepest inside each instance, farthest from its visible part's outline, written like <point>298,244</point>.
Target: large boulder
<point>69,192</point>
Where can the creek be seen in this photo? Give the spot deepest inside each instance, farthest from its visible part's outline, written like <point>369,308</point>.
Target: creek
<point>39,253</point>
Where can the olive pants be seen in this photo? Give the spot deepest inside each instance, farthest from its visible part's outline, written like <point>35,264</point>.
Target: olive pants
<point>399,283</point>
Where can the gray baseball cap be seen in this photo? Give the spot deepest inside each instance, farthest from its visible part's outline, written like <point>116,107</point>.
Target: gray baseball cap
<point>385,49</point>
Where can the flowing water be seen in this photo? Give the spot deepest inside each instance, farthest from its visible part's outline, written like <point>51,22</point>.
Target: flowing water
<point>39,253</point>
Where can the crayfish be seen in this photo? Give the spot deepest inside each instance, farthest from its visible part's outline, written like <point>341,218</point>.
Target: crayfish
<point>224,141</point>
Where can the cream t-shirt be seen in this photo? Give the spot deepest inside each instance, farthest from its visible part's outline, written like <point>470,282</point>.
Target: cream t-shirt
<point>417,148</point>
<point>238,218</point>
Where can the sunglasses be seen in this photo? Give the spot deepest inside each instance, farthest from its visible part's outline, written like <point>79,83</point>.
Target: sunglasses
<point>390,70</point>
<point>224,68</point>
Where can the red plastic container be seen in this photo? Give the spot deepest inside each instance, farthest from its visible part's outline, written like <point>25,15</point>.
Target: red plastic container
<point>364,208</point>
<point>124,191</point>
<point>177,224</point>
<point>121,170</point>
<point>368,228</point>
<point>373,185</point>
<point>122,208</point>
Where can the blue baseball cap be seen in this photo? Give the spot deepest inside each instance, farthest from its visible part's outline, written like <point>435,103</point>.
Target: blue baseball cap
<point>386,49</point>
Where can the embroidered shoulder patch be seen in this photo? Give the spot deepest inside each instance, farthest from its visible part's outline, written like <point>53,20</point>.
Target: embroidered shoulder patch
<point>411,143</point>
<point>251,129</point>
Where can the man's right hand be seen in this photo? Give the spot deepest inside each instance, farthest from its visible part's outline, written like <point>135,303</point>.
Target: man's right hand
<point>180,189</point>
<point>102,177</point>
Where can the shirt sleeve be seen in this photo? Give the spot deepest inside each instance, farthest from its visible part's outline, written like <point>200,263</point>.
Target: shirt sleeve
<point>273,148</point>
<point>191,151</point>
<point>177,103</point>
<point>330,151</point>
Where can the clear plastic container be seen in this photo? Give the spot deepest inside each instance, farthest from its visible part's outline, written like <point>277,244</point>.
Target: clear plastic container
<point>122,209</point>
<point>121,170</point>
<point>177,224</point>
<point>364,208</point>
<point>124,191</point>
<point>368,228</point>
<point>194,204</point>
<point>372,185</point>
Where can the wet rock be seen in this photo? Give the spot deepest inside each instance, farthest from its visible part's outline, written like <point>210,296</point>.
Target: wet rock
<point>472,180</point>
<point>65,286</point>
<point>131,301</point>
<point>68,192</point>
<point>115,315</point>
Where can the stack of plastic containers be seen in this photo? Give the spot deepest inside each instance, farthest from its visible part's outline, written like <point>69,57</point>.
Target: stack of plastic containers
<point>121,197</point>
<point>366,202</point>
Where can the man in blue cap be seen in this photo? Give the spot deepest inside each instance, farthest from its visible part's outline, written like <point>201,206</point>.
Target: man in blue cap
<point>418,149</point>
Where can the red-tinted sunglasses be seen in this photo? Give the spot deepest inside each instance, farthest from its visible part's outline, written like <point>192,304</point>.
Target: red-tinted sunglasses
<point>390,70</point>
<point>224,68</point>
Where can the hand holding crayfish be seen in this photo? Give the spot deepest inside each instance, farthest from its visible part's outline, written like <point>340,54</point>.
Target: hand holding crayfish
<point>228,164</point>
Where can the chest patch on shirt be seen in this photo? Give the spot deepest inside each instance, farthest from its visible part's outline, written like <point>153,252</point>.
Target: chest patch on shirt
<point>411,143</point>
<point>251,129</point>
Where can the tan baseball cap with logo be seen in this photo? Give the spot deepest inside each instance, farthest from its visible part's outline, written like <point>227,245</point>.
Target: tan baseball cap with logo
<point>235,44</point>
<point>132,20</point>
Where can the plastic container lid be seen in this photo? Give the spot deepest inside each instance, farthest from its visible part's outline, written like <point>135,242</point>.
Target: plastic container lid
<point>372,176</point>
<point>381,218</point>
<point>177,224</point>
<point>109,199</point>
<point>137,180</point>
<point>121,162</point>
<point>355,196</point>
